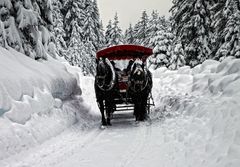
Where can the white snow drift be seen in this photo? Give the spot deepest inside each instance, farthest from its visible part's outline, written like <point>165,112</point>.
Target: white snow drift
<point>38,100</point>
<point>201,111</point>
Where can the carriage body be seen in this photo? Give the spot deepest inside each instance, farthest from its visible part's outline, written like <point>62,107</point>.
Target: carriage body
<point>127,53</point>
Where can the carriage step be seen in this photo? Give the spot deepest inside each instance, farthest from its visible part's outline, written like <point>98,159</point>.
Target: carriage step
<point>125,107</point>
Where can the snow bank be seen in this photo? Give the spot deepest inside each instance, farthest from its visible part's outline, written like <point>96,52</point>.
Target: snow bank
<point>200,107</point>
<point>38,100</point>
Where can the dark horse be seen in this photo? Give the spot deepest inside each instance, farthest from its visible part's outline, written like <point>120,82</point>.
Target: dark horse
<point>139,89</point>
<point>105,88</point>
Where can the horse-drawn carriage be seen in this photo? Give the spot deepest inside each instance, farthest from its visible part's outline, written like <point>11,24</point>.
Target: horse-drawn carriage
<point>123,81</point>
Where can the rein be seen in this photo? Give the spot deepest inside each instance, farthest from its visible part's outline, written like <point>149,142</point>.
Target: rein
<point>103,77</point>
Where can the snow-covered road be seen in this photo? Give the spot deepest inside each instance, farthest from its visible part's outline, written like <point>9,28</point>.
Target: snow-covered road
<point>123,144</point>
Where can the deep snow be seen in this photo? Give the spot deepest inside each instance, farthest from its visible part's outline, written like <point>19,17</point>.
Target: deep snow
<point>200,109</point>
<point>195,123</point>
<point>38,100</point>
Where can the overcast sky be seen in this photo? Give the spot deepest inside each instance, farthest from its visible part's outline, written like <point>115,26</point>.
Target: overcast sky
<point>129,11</point>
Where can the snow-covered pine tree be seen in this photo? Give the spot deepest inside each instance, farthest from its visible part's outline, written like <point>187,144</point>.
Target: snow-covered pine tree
<point>74,46</point>
<point>98,26</point>
<point>116,36</point>
<point>231,31</point>
<point>5,7</point>
<point>162,48</point>
<point>84,34</point>
<point>27,25</point>
<point>155,25</point>
<point>219,20</point>
<point>129,37</point>
<point>83,55</point>
<point>11,30</point>
<point>101,37</point>
<point>141,30</point>
<point>3,39</point>
<point>113,34</point>
<point>73,17</point>
<point>91,25</point>
<point>108,34</point>
<point>191,20</point>
<point>177,59</point>
<point>58,30</point>
<point>89,60</point>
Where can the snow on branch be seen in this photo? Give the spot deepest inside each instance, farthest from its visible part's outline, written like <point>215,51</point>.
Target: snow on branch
<point>3,41</point>
<point>26,17</point>
<point>13,36</point>
<point>6,3</point>
<point>28,4</point>
<point>40,51</point>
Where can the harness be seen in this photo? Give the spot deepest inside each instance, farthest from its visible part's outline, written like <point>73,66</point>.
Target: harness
<point>109,86</point>
<point>103,77</point>
<point>137,82</point>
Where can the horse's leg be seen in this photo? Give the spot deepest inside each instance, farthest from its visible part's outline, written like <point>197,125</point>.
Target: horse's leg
<point>143,108</point>
<point>136,109</point>
<point>143,111</point>
<point>108,111</point>
<point>101,107</point>
<point>109,118</point>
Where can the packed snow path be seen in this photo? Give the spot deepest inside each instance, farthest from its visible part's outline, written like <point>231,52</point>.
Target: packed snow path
<point>123,144</point>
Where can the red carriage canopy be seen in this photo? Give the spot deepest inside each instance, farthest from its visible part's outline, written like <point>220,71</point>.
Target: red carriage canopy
<point>122,52</point>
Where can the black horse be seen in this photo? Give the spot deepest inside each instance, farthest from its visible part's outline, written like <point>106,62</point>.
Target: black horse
<point>140,86</point>
<point>105,89</point>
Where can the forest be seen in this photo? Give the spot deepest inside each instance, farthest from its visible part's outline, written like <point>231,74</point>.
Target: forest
<point>196,30</point>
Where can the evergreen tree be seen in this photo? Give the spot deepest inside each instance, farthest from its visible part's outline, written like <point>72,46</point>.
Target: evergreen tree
<point>108,34</point>
<point>141,30</point>
<point>155,24</point>
<point>101,37</point>
<point>90,26</point>
<point>98,26</point>
<point>113,33</point>
<point>231,32</point>
<point>84,33</point>
<point>191,20</point>
<point>73,18</point>
<point>177,59</point>
<point>74,46</point>
<point>89,60</point>
<point>3,39</point>
<point>163,49</point>
<point>219,20</point>
<point>58,30</point>
<point>129,36</point>
<point>116,33</point>
<point>27,26</point>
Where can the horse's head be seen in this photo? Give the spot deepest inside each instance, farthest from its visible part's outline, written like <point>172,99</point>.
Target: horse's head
<point>105,75</point>
<point>138,76</point>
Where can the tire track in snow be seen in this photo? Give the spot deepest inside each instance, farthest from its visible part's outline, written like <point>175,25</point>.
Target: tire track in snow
<point>142,137</point>
<point>80,147</point>
<point>52,152</point>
